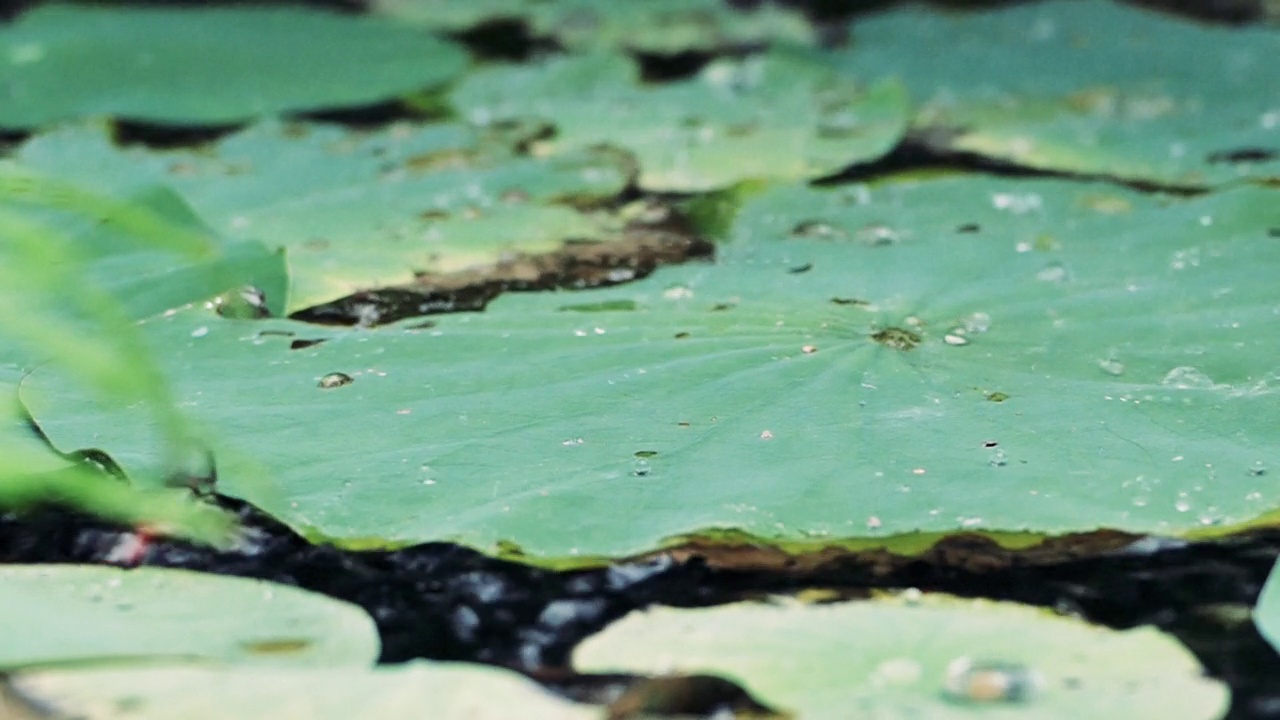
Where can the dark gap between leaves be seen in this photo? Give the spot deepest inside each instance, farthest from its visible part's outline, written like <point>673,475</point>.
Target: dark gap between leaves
<point>915,153</point>
<point>445,602</point>
<point>506,39</point>
<point>662,68</point>
<point>168,137</point>
<point>367,117</point>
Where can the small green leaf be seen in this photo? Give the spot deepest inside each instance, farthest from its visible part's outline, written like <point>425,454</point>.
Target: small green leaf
<point>440,691</point>
<point>207,65</point>
<point>66,615</point>
<point>936,657</point>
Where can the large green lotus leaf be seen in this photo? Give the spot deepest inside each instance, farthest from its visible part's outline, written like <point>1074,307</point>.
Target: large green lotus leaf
<point>937,657</point>
<point>656,26</point>
<point>360,210</point>
<point>207,66</point>
<point>70,614</point>
<point>786,114</point>
<point>441,691</point>
<point>1090,87</point>
<point>1089,357</point>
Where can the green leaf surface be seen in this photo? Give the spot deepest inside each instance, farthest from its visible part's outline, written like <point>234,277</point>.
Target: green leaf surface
<point>665,27</point>
<point>361,210</point>
<point>1090,87</point>
<point>1088,357</point>
<point>892,659</point>
<point>78,615</point>
<point>207,65</point>
<point>787,114</point>
<point>441,691</point>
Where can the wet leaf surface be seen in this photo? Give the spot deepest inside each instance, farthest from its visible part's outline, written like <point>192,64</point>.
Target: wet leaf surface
<point>1107,370</point>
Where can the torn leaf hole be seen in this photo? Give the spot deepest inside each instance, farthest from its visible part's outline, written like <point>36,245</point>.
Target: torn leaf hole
<point>642,245</point>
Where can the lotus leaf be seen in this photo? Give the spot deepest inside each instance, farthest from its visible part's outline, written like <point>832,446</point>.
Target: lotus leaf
<point>207,65</point>
<point>935,657</point>
<point>655,26</point>
<point>785,114</point>
<point>441,691</point>
<point>358,211</point>
<point>932,355</point>
<point>1091,87</point>
<point>55,615</point>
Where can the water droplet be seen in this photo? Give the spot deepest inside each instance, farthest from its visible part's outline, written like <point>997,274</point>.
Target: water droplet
<point>998,459</point>
<point>876,235</point>
<point>335,380</point>
<point>818,230</point>
<point>766,434</point>
<point>954,339</point>
<point>1258,469</point>
<point>1053,272</point>
<point>1016,204</point>
<point>978,322</point>
<point>873,523</point>
<point>897,672</point>
<point>571,442</point>
<point>200,332</point>
<point>641,467</point>
<point>1183,259</point>
<point>1111,367</point>
<point>1182,506</point>
<point>809,349</point>
<point>971,681</point>
<point>970,522</point>
<point>1186,377</point>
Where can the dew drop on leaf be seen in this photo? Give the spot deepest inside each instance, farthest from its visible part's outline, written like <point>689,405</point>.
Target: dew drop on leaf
<point>334,380</point>
<point>1111,367</point>
<point>978,322</point>
<point>1186,377</point>
<point>971,681</point>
